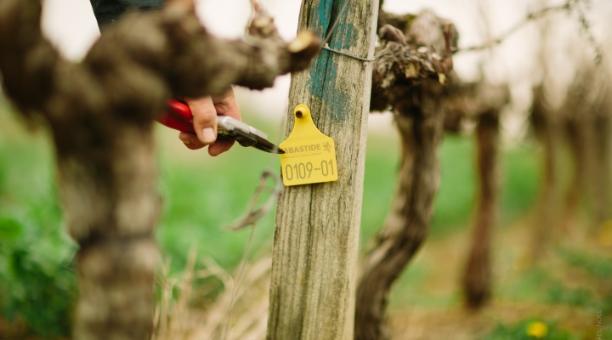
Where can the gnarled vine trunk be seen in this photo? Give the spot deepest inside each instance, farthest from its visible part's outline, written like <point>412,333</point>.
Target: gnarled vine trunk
<point>545,123</point>
<point>477,277</point>
<point>482,102</point>
<point>412,63</point>
<point>407,225</point>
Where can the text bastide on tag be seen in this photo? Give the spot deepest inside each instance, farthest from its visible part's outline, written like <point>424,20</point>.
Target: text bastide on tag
<point>310,156</point>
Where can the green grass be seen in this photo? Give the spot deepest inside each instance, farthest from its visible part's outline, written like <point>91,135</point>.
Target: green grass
<point>36,276</point>
<point>203,196</point>
<point>594,265</point>
<point>382,165</point>
<point>520,181</point>
<point>456,196</point>
<point>519,331</point>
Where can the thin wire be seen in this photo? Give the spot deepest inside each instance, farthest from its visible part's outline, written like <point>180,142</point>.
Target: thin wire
<point>329,34</point>
<point>347,54</point>
<point>335,23</point>
<point>531,16</point>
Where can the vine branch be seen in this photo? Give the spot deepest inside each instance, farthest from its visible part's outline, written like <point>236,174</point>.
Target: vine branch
<point>568,6</point>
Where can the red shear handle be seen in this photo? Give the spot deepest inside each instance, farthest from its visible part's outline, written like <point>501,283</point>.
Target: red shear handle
<point>178,117</point>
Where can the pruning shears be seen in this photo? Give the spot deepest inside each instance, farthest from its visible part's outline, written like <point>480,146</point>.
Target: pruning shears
<point>179,117</point>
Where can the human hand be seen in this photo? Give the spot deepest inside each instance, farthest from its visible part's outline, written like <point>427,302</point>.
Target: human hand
<point>205,111</point>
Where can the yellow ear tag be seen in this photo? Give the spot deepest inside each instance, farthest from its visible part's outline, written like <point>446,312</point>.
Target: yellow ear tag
<point>310,156</point>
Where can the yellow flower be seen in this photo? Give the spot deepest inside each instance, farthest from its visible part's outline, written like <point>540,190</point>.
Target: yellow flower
<point>537,329</point>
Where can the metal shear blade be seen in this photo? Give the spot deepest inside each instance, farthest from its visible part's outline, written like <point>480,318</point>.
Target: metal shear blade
<point>245,135</point>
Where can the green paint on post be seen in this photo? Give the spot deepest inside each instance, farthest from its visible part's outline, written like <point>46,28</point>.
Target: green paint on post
<point>323,73</point>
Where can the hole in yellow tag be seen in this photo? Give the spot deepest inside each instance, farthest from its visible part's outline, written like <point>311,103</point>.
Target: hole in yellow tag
<point>310,156</point>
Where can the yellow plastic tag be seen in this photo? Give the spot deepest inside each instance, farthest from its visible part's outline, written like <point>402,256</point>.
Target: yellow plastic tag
<point>310,156</point>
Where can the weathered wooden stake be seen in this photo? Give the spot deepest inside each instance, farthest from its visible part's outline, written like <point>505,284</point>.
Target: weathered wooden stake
<point>317,226</point>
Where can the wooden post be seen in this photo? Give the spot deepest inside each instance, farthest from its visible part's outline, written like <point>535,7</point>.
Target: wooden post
<point>317,226</point>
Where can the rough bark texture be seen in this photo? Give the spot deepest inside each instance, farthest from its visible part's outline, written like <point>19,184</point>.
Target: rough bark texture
<point>587,112</point>
<point>100,113</point>
<point>599,111</point>
<point>477,277</point>
<point>575,130</point>
<point>412,62</point>
<point>317,226</point>
<point>601,179</point>
<point>583,122</point>
<point>483,103</point>
<point>574,136</point>
<point>545,123</point>
<point>411,211</point>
